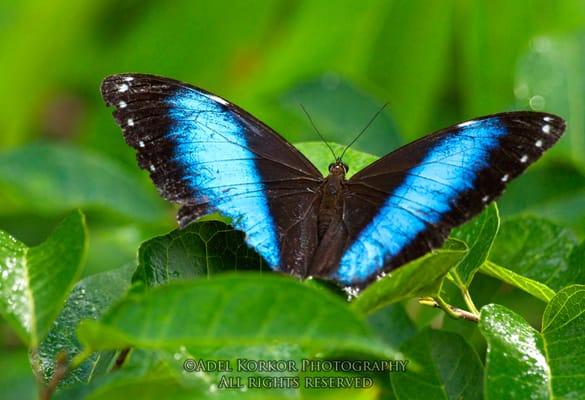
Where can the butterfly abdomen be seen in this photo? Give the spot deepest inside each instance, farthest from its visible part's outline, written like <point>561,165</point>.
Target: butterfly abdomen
<point>332,232</point>
<point>331,205</point>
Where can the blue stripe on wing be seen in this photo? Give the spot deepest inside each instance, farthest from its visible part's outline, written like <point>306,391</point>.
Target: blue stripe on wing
<point>211,146</point>
<point>426,194</point>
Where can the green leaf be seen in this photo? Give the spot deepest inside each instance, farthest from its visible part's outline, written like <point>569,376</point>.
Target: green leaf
<point>577,262</point>
<point>233,353</point>
<point>89,299</point>
<point>516,366</point>
<point>392,324</point>
<point>523,363</point>
<point>530,286</point>
<point>200,250</point>
<point>50,179</point>
<point>129,384</point>
<point>340,110</point>
<point>441,365</point>
<point>536,249</point>
<point>563,324</point>
<point>479,234</point>
<point>310,382</point>
<point>320,155</point>
<point>413,279</point>
<point>37,280</point>
<point>236,309</point>
<point>156,369</point>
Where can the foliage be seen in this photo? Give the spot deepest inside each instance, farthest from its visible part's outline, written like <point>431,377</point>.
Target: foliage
<point>182,305</point>
<point>112,302</point>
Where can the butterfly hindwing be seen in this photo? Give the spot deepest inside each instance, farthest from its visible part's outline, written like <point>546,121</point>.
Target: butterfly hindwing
<point>406,203</point>
<point>209,155</point>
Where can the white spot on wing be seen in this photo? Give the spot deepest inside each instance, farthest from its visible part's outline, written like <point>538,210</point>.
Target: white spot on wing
<point>129,79</point>
<point>466,123</point>
<point>547,119</point>
<point>546,129</point>
<point>485,199</point>
<point>130,122</point>
<point>122,104</point>
<point>524,159</point>
<point>122,88</point>
<point>505,178</point>
<point>538,143</point>
<point>141,143</point>
<point>152,168</point>
<point>218,99</point>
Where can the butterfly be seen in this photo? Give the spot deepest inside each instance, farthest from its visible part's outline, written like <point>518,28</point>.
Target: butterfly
<point>208,155</point>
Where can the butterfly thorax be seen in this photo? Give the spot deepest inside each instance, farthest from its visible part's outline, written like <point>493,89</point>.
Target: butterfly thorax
<point>332,196</point>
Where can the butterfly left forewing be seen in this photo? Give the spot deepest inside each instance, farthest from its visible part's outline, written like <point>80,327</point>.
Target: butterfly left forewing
<point>406,203</point>
<point>209,155</point>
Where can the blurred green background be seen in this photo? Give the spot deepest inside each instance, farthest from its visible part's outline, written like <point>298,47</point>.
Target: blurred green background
<point>435,62</point>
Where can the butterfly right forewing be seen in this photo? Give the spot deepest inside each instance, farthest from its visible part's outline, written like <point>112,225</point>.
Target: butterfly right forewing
<point>406,203</point>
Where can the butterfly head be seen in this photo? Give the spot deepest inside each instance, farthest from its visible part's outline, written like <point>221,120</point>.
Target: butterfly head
<point>338,168</point>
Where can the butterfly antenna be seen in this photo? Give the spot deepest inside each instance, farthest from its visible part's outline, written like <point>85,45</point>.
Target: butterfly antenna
<point>318,133</point>
<point>363,130</point>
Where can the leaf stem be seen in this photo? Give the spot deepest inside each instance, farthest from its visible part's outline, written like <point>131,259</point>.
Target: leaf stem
<point>121,358</point>
<point>469,301</point>
<point>465,293</point>
<point>60,372</point>
<point>451,311</point>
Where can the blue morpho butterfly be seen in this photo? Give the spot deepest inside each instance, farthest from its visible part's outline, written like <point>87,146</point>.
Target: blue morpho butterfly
<point>209,155</point>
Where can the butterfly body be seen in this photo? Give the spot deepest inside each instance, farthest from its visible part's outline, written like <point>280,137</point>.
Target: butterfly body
<point>209,155</point>
<point>332,232</point>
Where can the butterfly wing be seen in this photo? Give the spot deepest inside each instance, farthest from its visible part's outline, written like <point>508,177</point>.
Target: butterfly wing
<point>209,155</point>
<point>406,203</point>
